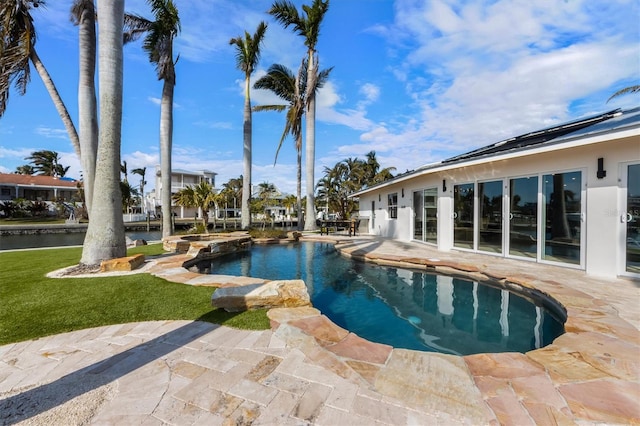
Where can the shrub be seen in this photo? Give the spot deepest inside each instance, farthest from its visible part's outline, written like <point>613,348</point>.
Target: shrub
<point>267,233</point>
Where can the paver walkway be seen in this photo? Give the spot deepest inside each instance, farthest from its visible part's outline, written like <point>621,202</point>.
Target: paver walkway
<point>309,371</point>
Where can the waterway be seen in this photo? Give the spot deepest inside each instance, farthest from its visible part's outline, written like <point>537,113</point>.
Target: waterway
<point>62,239</point>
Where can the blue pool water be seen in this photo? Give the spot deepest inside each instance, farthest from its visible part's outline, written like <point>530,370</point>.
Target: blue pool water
<point>400,307</point>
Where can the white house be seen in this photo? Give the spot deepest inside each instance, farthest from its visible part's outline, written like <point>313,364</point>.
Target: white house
<point>567,195</point>
<point>180,179</point>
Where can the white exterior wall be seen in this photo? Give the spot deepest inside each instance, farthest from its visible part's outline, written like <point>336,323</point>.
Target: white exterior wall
<point>602,199</point>
<point>179,180</point>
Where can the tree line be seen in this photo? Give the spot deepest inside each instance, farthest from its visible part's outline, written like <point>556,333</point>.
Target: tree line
<point>99,147</point>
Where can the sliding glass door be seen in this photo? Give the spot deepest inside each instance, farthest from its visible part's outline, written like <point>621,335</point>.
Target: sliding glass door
<point>523,217</point>
<point>562,217</point>
<point>632,220</point>
<point>490,216</point>
<point>463,222</point>
<point>418,217</point>
<point>425,222</point>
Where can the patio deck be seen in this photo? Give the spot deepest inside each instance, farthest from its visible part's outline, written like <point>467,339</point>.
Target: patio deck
<point>309,371</point>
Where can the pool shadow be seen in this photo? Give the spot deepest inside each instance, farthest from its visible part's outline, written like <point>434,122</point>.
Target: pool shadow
<point>32,402</point>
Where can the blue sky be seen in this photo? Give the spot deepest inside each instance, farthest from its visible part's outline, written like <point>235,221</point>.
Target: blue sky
<point>416,81</point>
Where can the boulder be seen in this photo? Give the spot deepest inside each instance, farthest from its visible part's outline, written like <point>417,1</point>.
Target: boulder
<point>274,294</point>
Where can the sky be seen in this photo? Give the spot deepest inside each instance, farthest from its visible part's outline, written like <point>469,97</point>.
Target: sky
<point>416,81</point>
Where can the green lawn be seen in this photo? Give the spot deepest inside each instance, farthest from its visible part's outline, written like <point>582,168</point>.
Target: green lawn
<point>32,305</point>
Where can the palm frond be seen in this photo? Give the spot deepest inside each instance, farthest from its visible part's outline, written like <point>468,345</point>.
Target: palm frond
<point>626,90</point>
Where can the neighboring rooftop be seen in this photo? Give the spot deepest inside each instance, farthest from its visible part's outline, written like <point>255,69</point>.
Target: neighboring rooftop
<point>36,180</point>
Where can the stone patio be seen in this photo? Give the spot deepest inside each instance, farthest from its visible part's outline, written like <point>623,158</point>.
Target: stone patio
<point>307,370</point>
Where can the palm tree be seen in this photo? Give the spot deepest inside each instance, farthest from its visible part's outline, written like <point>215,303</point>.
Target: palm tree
<point>232,191</point>
<point>373,173</point>
<point>247,57</point>
<point>289,202</point>
<point>200,196</point>
<point>158,43</point>
<point>286,13</point>
<point>47,163</point>
<point>345,178</point>
<point>83,14</point>
<point>124,171</point>
<point>129,196</point>
<point>266,190</point>
<point>25,169</point>
<point>141,172</point>
<point>626,90</point>
<point>292,89</point>
<point>105,233</point>
<point>17,48</point>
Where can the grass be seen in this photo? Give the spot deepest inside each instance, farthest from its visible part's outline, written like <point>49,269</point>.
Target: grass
<point>38,220</point>
<point>34,306</point>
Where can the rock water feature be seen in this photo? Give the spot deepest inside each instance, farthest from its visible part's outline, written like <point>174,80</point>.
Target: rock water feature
<point>259,295</point>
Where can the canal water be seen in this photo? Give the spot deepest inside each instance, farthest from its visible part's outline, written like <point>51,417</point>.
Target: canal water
<point>63,239</point>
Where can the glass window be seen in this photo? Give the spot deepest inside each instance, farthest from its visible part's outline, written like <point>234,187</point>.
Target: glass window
<point>392,205</point>
<point>562,219</point>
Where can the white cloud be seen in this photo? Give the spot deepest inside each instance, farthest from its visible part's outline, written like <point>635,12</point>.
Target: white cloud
<point>52,133</point>
<point>370,91</point>
<point>480,72</point>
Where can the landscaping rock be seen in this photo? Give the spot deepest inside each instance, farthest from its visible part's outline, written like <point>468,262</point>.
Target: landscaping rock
<point>274,294</point>
<point>128,263</point>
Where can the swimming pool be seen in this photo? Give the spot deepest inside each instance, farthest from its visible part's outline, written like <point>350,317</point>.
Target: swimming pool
<point>400,307</point>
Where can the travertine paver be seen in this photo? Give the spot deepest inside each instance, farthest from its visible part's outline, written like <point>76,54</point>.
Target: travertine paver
<point>309,371</point>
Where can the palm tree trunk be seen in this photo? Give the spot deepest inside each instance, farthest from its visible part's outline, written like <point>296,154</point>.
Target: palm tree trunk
<point>310,158</point>
<point>299,183</point>
<point>246,158</point>
<point>57,100</point>
<point>166,135</point>
<point>105,233</point>
<point>87,104</point>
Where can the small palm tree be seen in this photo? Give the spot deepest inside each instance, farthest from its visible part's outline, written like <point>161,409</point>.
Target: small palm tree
<point>141,172</point>
<point>247,57</point>
<point>200,196</point>
<point>373,172</point>
<point>124,171</point>
<point>47,163</point>
<point>266,190</point>
<point>308,26</point>
<point>25,169</point>
<point>129,195</point>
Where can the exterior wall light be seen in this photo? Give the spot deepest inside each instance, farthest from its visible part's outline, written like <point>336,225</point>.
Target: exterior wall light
<point>601,173</point>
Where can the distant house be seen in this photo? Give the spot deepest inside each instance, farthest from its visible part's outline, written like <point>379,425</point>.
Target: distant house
<point>275,208</point>
<point>567,195</point>
<point>180,179</point>
<point>37,188</point>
